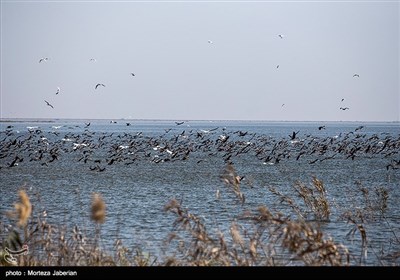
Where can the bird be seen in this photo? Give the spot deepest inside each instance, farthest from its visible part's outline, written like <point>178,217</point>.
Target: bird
<point>277,66</point>
<point>93,59</point>
<point>43,59</point>
<point>344,108</point>
<point>210,42</point>
<point>58,90</point>
<point>281,36</point>
<point>293,136</point>
<point>283,105</point>
<point>356,75</point>
<point>321,127</point>
<point>133,74</point>
<point>342,100</point>
<point>179,123</point>
<point>99,85</point>
<point>48,104</point>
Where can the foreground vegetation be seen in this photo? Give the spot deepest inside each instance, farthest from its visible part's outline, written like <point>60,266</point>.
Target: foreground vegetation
<point>258,237</point>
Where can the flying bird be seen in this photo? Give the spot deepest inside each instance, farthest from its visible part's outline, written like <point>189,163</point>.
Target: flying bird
<point>356,75</point>
<point>58,90</point>
<point>281,36</point>
<point>277,66</point>
<point>133,74</point>
<point>294,134</point>
<point>103,85</point>
<point>210,42</point>
<point>48,104</point>
<point>321,127</point>
<point>342,100</point>
<point>93,59</point>
<point>179,123</point>
<point>283,105</point>
<point>344,108</point>
<point>43,59</point>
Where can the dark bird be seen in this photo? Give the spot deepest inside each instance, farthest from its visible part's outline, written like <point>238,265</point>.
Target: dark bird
<point>93,59</point>
<point>321,127</point>
<point>133,74</point>
<point>342,100</point>
<point>293,136</point>
<point>344,108</point>
<point>179,123</point>
<point>58,90</point>
<point>283,104</point>
<point>87,124</point>
<point>43,59</point>
<point>48,104</point>
<point>281,36</point>
<point>99,85</point>
<point>356,75</point>
<point>277,66</point>
<point>128,124</point>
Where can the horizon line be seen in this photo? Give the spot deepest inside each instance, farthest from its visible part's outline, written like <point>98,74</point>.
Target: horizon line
<point>2,119</point>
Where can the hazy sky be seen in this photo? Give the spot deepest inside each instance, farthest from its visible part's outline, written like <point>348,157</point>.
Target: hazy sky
<point>179,74</point>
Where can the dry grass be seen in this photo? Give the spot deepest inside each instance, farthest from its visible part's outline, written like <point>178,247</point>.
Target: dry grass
<point>23,209</point>
<point>260,237</point>
<point>98,209</point>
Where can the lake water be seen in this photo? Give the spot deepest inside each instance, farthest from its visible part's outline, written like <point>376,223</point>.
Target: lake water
<point>139,168</point>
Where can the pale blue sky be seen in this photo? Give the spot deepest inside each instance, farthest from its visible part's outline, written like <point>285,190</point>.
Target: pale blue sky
<point>180,75</point>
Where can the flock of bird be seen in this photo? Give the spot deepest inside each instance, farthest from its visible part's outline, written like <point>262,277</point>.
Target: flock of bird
<point>44,59</point>
<point>281,36</point>
<point>100,150</point>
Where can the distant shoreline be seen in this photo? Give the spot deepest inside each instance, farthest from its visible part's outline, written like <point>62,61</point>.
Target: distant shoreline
<point>43,120</point>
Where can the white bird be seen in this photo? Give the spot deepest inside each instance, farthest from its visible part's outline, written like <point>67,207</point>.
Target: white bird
<point>58,90</point>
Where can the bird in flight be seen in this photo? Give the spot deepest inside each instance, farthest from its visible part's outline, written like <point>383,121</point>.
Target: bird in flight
<point>356,75</point>
<point>344,108</point>
<point>48,104</point>
<point>210,42</point>
<point>103,85</point>
<point>179,123</point>
<point>93,59</point>
<point>58,90</point>
<point>342,100</point>
<point>277,66</point>
<point>133,74</point>
<point>43,59</point>
<point>321,127</point>
<point>281,36</point>
<point>294,134</point>
<point>283,105</point>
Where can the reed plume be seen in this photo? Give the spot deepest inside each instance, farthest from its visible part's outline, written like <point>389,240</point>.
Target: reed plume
<point>98,211</point>
<point>23,209</point>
